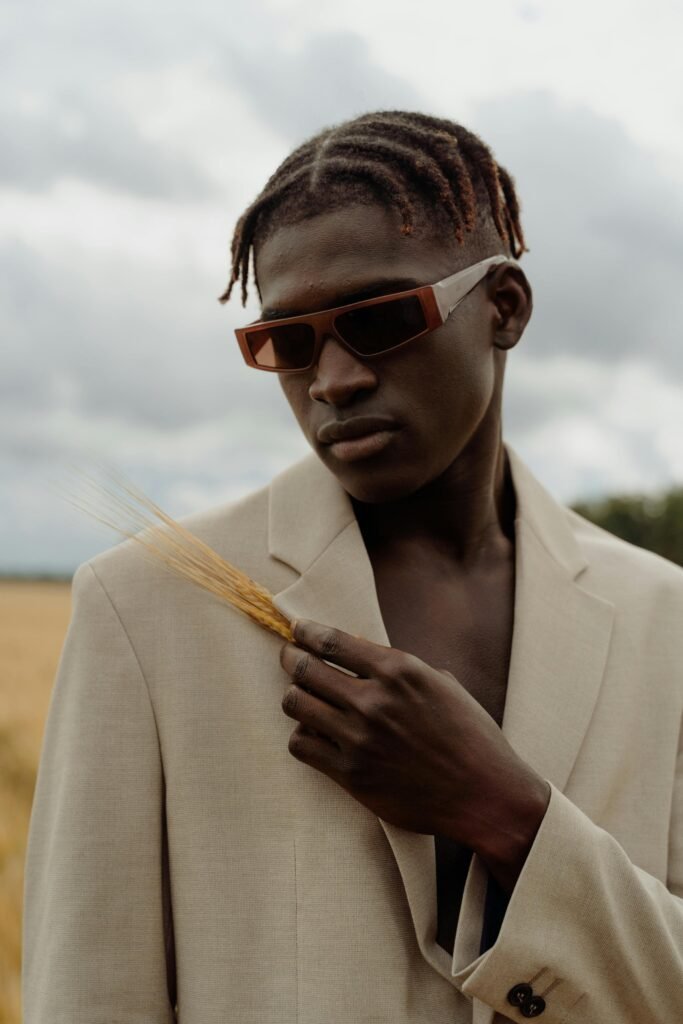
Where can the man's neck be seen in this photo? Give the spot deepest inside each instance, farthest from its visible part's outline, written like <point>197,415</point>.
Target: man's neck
<point>466,515</point>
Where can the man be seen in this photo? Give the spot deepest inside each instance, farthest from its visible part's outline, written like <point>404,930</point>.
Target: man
<point>394,855</point>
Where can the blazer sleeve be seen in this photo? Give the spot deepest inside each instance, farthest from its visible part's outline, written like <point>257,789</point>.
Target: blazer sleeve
<point>596,936</point>
<point>95,920</point>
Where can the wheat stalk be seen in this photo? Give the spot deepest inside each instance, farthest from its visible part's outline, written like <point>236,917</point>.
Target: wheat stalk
<point>180,551</point>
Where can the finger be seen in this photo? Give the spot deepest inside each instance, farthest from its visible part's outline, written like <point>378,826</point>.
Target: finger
<point>314,713</point>
<point>315,750</point>
<point>353,652</point>
<point>311,673</point>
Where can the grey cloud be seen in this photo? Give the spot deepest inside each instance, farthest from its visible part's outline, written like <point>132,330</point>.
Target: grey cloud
<point>85,137</point>
<point>157,353</point>
<point>331,78</point>
<point>61,112</point>
<point>85,43</point>
<point>538,390</point>
<point>605,229</point>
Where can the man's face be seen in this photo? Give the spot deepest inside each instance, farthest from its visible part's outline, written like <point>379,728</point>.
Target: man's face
<point>437,388</point>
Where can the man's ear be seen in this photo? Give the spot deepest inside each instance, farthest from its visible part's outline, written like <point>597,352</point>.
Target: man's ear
<point>510,292</point>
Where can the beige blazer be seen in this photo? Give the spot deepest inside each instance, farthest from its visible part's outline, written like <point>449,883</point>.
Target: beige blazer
<point>167,802</point>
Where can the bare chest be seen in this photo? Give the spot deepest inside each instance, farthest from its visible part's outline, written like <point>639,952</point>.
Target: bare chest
<point>465,627</point>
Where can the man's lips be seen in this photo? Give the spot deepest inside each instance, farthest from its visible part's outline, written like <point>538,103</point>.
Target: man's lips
<point>362,447</point>
<point>358,426</point>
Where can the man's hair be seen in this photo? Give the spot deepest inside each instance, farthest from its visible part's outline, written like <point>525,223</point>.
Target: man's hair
<point>404,159</point>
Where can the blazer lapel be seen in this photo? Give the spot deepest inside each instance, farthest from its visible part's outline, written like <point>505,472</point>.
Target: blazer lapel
<point>313,528</point>
<point>560,642</point>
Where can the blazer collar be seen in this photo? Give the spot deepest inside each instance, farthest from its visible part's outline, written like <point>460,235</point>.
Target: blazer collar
<point>309,508</point>
<point>561,636</point>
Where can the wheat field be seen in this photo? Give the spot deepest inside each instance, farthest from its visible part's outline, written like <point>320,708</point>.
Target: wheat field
<point>33,620</point>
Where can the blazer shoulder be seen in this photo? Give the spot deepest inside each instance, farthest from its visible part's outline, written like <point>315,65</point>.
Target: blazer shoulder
<point>627,563</point>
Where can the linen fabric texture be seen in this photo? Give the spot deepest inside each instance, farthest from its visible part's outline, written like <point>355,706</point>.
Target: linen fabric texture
<point>183,865</point>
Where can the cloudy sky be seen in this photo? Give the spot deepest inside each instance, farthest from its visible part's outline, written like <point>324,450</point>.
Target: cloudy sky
<point>134,135</point>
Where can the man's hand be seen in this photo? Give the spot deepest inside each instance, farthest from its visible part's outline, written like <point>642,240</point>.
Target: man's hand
<point>411,744</point>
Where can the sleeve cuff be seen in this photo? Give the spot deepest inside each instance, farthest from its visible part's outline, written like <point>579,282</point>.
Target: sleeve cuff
<point>531,934</point>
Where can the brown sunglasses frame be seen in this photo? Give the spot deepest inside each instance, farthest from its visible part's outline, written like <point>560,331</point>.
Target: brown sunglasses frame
<point>436,312</point>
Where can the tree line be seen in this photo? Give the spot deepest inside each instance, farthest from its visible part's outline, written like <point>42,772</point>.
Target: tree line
<point>651,521</point>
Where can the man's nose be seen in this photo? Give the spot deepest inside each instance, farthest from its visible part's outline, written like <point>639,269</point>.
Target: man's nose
<point>339,373</point>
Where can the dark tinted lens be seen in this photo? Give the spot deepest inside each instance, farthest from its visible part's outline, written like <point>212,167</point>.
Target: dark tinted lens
<point>287,347</point>
<point>382,326</point>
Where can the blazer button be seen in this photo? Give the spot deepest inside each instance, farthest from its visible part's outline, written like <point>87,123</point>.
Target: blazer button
<point>533,1006</point>
<point>520,994</point>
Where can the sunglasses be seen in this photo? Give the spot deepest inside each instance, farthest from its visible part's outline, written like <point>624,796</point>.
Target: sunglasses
<point>369,328</point>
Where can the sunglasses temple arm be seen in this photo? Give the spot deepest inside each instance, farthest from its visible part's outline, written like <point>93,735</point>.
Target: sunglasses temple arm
<point>451,290</point>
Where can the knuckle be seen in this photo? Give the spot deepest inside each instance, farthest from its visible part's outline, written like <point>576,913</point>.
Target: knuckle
<point>388,664</point>
<point>301,667</point>
<point>379,707</point>
<point>330,643</point>
<point>297,742</point>
<point>290,700</point>
<point>369,706</point>
<point>364,743</point>
<point>408,667</point>
<point>360,748</point>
